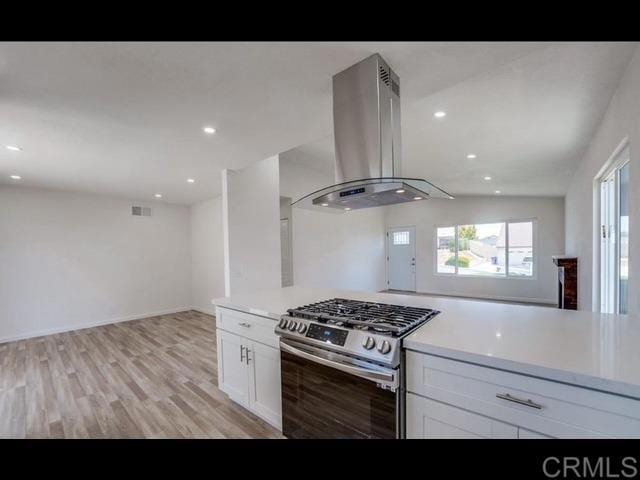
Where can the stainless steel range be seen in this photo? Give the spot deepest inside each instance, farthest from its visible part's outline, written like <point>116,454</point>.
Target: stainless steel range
<point>342,368</point>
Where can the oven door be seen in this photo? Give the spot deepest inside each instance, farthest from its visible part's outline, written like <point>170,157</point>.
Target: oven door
<point>328,395</point>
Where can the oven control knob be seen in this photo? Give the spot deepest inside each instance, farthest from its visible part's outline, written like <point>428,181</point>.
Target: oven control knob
<point>292,326</point>
<point>384,347</point>
<point>302,327</point>
<point>369,343</point>
<point>283,323</point>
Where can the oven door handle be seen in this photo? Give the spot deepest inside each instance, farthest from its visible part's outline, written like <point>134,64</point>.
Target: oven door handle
<point>382,378</point>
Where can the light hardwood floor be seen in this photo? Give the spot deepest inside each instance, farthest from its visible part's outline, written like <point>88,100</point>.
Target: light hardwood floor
<point>149,378</point>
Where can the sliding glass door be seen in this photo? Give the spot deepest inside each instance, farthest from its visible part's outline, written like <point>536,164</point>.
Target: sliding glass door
<point>623,229</point>
<point>614,236</point>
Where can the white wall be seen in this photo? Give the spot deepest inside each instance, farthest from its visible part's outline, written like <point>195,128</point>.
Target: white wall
<point>343,251</point>
<point>71,260</point>
<point>251,227</point>
<point>621,120</point>
<point>429,214</point>
<point>339,251</point>
<point>207,254</point>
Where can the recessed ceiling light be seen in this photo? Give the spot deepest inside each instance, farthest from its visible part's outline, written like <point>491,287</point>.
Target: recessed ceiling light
<point>158,195</point>
<point>13,148</point>
<point>417,198</point>
<point>471,155</point>
<point>400,190</point>
<point>209,130</point>
<point>324,204</point>
<point>440,114</point>
<point>191,180</point>
<point>487,178</point>
<point>497,192</point>
<point>347,209</point>
<point>15,177</point>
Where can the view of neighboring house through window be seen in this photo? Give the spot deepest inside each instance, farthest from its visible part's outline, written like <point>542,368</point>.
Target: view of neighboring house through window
<point>520,249</point>
<point>486,249</point>
<point>445,250</point>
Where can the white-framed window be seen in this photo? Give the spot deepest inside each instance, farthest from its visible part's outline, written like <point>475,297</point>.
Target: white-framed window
<point>503,249</point>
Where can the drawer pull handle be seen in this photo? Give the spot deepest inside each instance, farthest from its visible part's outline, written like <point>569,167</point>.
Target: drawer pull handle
<point>511,398</point>
<point>245,325</point>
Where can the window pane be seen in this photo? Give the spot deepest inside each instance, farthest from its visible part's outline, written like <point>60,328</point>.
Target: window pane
<point>624,239</point>
<point>521,249</point>
<point>446,249</point>
<point>401,238</point>
<point>479,252</point>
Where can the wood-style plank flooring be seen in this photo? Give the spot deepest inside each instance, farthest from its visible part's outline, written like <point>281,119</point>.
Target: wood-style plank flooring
<point>149,378</point>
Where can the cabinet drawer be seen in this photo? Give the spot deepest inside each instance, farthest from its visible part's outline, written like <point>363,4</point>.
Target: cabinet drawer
<point>253,327</point>
<point>429,419</point>
<point>564,410</point>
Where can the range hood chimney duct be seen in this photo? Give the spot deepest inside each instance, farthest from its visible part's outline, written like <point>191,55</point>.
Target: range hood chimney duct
<point>367,135</point>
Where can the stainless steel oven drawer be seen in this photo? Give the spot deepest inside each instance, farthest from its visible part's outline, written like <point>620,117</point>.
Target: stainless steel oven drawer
<point>322,401</point>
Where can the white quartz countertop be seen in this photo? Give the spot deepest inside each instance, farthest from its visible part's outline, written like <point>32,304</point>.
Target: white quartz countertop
<point>592,350</point>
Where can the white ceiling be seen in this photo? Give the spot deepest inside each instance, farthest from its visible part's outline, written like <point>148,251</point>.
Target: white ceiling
<point>126,119</point>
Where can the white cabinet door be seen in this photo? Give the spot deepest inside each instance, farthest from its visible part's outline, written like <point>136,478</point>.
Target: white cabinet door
<point>233,376</point>
<point>264,383</point>
<point>429,419</point>
<point>528,434</point>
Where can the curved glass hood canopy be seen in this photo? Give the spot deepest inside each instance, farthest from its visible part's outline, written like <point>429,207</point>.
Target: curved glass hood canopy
<point>370,192</point>
<point>366,122</point>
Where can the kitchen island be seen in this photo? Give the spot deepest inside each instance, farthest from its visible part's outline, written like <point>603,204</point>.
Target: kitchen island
<point>558,372</point>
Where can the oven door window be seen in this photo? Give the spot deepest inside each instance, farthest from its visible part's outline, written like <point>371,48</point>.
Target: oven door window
<point>319,401</point>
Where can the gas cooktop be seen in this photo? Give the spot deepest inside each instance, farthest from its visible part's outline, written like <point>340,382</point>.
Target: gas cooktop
<point>381,318</point>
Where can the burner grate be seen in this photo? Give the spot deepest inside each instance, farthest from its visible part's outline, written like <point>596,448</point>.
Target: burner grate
<point>380,317</point>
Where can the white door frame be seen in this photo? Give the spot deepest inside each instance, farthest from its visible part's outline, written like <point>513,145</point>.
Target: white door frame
<point>386,253</point>
<point>290,249</point>
<point>611,166</point>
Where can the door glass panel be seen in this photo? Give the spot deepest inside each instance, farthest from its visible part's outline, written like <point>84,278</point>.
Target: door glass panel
<point>401,238</point>
<point>521,249</point>
<point>446,248</point>
<point>623,229</point>
<point>481,249</point>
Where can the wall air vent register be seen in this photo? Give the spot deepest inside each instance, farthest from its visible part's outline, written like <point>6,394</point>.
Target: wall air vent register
<point>137,211</point>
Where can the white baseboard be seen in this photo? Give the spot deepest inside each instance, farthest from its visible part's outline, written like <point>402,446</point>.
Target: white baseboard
<point>206,311</point>
<point>71,328</point>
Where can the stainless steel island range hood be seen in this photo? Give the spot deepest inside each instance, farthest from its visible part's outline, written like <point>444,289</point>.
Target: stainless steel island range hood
<point>366,122</point>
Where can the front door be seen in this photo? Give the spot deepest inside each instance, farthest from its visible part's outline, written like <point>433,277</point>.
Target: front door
<point>401,259</point>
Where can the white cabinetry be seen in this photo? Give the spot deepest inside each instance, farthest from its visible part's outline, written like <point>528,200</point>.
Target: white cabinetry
<point>232,367</point>
<point>431,419</point>
<point>249,363</point>
<point>453,398</point>
<point>264,383</point>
